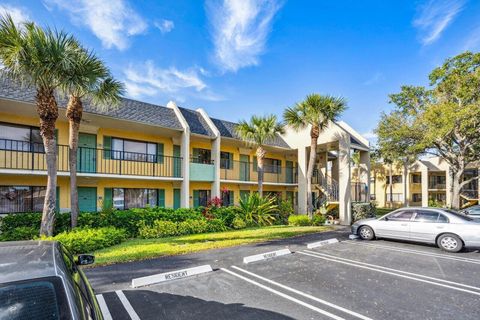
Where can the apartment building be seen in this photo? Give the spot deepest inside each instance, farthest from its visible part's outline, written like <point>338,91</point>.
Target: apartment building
<point>425,182</point>
<point>138,154</point>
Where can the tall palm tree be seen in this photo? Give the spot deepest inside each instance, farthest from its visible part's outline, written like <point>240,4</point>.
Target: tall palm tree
<point>89,78</point>
<point>316,111</point>
<point>39,58</point>
<point>257,132</point>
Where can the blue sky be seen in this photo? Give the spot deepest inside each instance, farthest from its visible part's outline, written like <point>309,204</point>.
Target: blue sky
<point>238,58</point>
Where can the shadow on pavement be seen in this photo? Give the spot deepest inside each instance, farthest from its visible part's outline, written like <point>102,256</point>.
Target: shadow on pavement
<point>155,305</point>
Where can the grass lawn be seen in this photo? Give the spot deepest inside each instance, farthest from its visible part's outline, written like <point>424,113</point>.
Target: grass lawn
<point>383,211</point>
<point>140,249</point>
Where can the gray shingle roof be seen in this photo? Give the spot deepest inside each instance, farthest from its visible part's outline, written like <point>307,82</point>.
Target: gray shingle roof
<point>127,109</point>
<point>196,122</point>
<point>227,130</point>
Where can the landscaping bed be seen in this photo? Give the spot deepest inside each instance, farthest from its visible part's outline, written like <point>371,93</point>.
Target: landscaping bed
<point>140,249</point>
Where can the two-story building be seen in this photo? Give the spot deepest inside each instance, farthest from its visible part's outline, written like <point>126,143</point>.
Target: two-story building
<point>138,154</point>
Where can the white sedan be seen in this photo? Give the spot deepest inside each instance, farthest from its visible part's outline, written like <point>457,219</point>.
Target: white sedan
<point>448,229</point>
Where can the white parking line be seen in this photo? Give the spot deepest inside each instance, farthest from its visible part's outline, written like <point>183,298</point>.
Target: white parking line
<point>358,315</point>
<point>406,250</point>
<point>126,304</point>
<point>394,272</point>
<point>283,295</point>
<point>103,307</point>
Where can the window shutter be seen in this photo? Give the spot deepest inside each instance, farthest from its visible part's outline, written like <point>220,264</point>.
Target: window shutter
<point>161,198</point>
<point>230,160</point>
<point>56,136</point>
<point>232,198</point>
<point>195,154</point>
<point>279,167</point>
<point>196,200</point>
<point>159,152</point>
<point>107,147</point>
<point>255,164</point>
<point>57,200</point>
<point>176,198</point>
<point>108,198</point>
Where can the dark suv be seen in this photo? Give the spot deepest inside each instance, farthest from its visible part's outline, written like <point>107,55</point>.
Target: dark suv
<point>41,280</point>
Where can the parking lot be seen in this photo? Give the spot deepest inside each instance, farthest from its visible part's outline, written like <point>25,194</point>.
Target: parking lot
<point>345,280</point>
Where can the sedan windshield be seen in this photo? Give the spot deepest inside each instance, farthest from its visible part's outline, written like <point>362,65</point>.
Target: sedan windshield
<point>41,298</point>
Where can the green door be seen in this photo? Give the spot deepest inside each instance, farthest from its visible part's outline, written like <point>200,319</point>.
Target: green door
<point>289,172</point>
<point>244,167</point>
<point>87,199</point>
<point>176,198</point>
<point>177,162</point>
<point>86,155</point>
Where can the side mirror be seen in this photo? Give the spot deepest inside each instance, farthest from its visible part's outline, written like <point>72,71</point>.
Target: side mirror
<point>85,259</point>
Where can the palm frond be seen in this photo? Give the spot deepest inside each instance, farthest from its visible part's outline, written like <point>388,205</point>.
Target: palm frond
<point>259,129</point>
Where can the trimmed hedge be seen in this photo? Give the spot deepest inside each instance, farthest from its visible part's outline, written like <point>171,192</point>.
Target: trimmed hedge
<point>161,229</point>
<point>300,220</point>
<point>89,240</point>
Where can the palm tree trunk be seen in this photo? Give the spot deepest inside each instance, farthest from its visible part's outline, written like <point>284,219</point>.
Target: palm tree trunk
<point>314,133</point>
<point>48,112</point>
<point>260,156</point>
<point>74,115</point>
<point>391,185</point>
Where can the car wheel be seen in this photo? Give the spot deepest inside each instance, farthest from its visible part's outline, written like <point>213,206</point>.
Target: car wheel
<point>450,242</point>
<point>366,233</point>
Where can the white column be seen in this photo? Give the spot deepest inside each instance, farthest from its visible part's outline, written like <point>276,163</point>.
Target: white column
<point>448,187</point>
<point>216,146</point>
<point>365,171</point>
<point>216,163</point>
<point>424,171</point>
<point>344,180</point>
<point>302,180</point>
<point>406,186</point>
<point>185,154</point>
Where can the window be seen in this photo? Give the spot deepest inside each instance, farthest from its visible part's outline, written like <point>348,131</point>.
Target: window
<point>416,197</point>
<point>437,182</point>
<point>400,216</point>
<point>124,198</point>
<point>20,138</point>
<point>201,156</point>
<point>416,178</point>
<point>123,149</point>
<point>21,199</point>
<point>201,198</point>
<point>426,216</point>
<point>269,165</point>
<point>395,179</point>
<point>227,198</point>
<point>226,160</point>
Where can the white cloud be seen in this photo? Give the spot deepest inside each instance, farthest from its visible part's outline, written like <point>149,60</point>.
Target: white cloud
<point>149,80</point>
<point>377,77</point>
<point>473,40</point>
<point>18,14</point>
<point>165,26</point>
<point>240,30</point>
<point>434,17</point>
<point>112,21</point>
<point>369,135</point>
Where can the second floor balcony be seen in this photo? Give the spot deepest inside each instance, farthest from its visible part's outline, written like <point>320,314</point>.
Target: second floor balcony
<point>21,155</point>
<point>247,172</point>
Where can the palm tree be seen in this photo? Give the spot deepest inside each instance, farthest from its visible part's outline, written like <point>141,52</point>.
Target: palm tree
<point>88,78</point>
<point>316,111</point>
<point>39,58</point>
<point>257,133</point>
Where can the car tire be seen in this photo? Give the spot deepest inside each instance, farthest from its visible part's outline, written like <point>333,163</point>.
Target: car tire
<point>450,242</point>
<point>366,233</point>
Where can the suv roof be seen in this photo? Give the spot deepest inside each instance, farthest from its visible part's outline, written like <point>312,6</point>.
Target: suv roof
<point>22,260</point>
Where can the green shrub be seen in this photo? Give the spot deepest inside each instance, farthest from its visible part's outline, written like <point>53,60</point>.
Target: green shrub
<point>239,223</point>
<point>258,210</point>
<point>88,240</point>
<point>159,229</point>
<point>215,225</point>
<point>299,220</point>
<point>363,211</point>
<point>285,209</point>
<point>192,227</point>
<point>318,220</point>
<point>226,214</point>
<point>19,233</point>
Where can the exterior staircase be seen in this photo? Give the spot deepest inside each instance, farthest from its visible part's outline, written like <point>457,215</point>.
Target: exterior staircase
<point>328,188</point>
<point>468,198</point>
